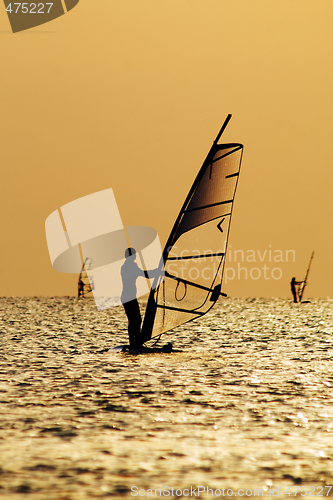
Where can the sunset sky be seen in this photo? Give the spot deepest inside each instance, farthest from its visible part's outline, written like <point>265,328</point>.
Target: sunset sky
<point>130,94</point>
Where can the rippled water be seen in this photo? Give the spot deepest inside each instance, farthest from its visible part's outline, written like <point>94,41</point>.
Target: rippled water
<point>247,403</point>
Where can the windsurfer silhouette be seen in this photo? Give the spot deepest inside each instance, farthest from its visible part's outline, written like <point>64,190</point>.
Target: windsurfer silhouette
<point>80,288</point>
<point>293,284</point>
<point>130,272</point>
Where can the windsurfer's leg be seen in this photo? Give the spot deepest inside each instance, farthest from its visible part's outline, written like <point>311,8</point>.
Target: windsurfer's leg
<point>137,320</point>
<point>133,314</point>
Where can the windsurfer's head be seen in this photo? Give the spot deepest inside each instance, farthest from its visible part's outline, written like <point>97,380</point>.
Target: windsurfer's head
<point>130,252</point>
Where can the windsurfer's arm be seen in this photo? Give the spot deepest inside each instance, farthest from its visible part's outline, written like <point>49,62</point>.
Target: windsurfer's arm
<point>153,273</point>
<point>147,274</point>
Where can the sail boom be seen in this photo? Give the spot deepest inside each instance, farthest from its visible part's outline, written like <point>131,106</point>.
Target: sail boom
<point>170,308</point>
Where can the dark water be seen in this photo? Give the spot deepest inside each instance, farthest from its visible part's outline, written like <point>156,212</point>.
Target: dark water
<point>248,403</point>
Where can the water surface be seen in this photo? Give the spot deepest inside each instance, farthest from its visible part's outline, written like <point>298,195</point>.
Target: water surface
<point>247,403</point>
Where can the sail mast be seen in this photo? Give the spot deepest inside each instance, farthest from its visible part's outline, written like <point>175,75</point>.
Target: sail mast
<point>224,126</point>
<point>301,291</point>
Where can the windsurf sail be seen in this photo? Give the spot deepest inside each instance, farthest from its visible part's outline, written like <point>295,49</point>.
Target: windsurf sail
<point>85,283</point>
<point>303,284</point>
<point>194,255</point>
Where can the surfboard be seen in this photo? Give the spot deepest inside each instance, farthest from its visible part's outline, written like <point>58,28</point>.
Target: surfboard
<point>167,348</point>
<point>119,348</point>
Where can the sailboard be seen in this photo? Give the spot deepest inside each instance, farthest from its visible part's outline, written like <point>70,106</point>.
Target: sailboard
<point>167,348</point>
<point>193,259</point>
<point>302,285</point>
<point>85,284</point>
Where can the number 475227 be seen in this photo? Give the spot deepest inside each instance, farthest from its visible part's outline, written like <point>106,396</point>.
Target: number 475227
<point>311,492</point>
<point>29,8</point>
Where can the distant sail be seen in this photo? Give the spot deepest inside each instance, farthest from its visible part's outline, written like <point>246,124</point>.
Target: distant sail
<point>194,256</point>
<point>303,284</point>
<point>85,283</point>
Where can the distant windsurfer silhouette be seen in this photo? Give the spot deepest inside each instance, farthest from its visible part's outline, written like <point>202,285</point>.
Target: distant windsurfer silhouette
<point>130,272</point>
<point>80,288</point>
<point>293,284</point>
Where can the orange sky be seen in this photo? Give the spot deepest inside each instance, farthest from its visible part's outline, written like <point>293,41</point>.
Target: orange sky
<point>130,94</point>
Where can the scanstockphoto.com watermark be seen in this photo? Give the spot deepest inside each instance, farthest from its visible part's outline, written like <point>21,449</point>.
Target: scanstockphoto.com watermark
<point>207,492</point>
<point>239,264</point>
<point>269,255</point>
<point>194,491</point>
